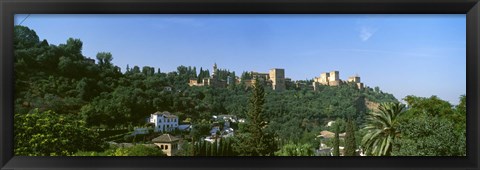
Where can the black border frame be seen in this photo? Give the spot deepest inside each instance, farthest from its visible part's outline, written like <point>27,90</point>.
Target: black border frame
<point>10,7</point>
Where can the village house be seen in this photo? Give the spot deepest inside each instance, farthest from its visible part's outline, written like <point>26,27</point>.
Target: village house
<point>164,121</point>
<point>168,144</point>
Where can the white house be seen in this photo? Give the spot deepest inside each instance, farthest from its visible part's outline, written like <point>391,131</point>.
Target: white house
<point>164,121</point>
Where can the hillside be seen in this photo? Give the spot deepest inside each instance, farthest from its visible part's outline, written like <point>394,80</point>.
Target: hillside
<point>61,79</point>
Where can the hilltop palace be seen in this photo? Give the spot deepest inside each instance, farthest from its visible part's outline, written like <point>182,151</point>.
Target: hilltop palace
<point>276,79</point>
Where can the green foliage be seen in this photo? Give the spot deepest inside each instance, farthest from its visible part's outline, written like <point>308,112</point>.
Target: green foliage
<point>296,150</point>
<point>350,142</point>
<point>381,129</point>
<point>25,37</point>
<point>336,141</point>
<point>432,127</point>
<point>432,106</point>
<point>200,129</point>
<point>48,133</point>
<point>61,79</point>
<point>254,140</point>
<point>137,150</point>
<point>222,147</point>
<point>429,136</point>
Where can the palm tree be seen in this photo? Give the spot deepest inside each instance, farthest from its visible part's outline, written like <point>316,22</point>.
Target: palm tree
<point>381,129</point>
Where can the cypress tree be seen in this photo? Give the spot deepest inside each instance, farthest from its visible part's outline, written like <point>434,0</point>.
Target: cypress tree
<point>336,141</point>
<point>203,150</point>
<point>214,148</point>
<point>209,149</point>
<point>200,75</point>
<point>255,141</point>
<point>221,148</point>
<point>350,144</point>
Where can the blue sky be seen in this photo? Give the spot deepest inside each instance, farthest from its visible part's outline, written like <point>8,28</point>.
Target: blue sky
<point>422,55</point>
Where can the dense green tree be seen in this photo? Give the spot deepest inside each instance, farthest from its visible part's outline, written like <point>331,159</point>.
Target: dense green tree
<point>296,150</point>
<point>51,134</point>
<point>254,139</point>
<point>24,37</point>
<point>429,136</point>
<point>137,150</point>
<point>61,79</point>
<point>104,59</point>
<point>336,141</point>
<point>382,129</point>
<point>350,142</point>
<point>432,106</point>
<point>432,127</point>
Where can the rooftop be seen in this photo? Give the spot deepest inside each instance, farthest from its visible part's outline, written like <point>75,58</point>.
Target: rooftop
<point>165,138</point>
<point>166,114</point>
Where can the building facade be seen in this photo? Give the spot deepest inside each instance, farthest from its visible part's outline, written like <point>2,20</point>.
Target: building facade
<point>210,81</point>
<point>333,79</point>
<point>164,121</point>
<point>168,144</point>
<point>277,77</point>
<point>328,79</point>
<point>356,79</point>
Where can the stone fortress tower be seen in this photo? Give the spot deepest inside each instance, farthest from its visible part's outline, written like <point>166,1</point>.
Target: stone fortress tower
<point>274,78</point>
<point>356,79</point>
<point>277,77</point>
<point>333,79</point>
<point>215,69</point>
<point>323,78</point>
<point>329,79</point>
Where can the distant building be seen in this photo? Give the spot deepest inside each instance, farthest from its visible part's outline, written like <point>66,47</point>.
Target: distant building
<point>164,121</point>
<point>168,144</point>
<point>213,80</point>
<point>277,77</point>
<point>274,78</point>
<point>356,79</point>
<point>328,79</point>
<point>333,79</point>
<point>260,76</point>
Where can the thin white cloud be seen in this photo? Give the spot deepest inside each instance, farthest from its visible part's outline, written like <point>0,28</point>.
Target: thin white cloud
<point>384,53</point>
<point>366,33</point>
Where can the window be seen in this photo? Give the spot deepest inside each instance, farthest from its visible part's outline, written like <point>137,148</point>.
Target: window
<point>166,146</point>
<point>161,146</point>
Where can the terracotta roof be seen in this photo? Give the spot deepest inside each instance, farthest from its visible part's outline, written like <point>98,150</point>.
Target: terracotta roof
<point>165,138</point>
